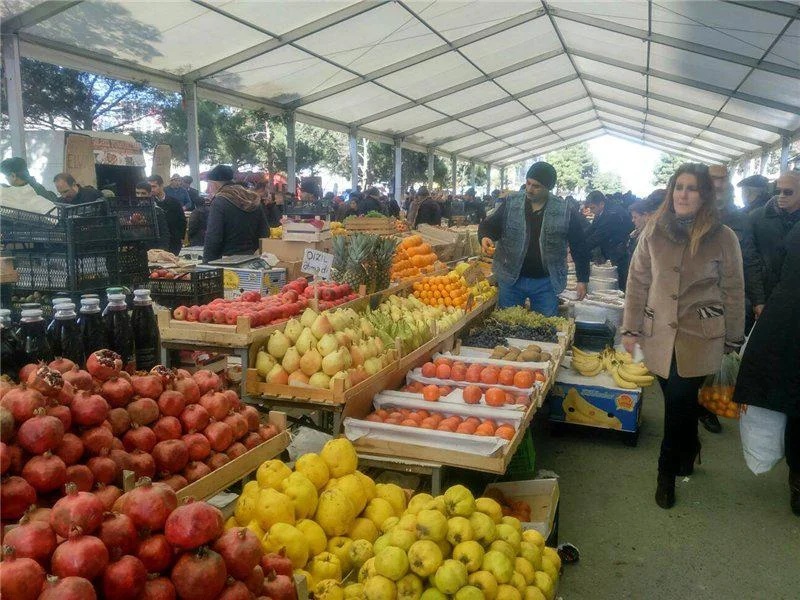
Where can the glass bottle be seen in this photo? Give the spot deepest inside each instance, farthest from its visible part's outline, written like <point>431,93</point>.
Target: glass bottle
<point>53,329</point>
<point>145,331</point>
<point>92,327</point>
<point>70,344</point>
<point>33,336</point>
<point>119,332</point>
<point>10,346</point>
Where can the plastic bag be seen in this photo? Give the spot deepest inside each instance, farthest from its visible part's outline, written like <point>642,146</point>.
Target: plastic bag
<point>717,391</point>
<point>762,432</point>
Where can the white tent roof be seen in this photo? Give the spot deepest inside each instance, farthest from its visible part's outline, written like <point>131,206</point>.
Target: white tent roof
<point>489,81</point>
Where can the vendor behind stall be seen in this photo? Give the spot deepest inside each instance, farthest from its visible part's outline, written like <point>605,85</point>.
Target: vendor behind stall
<point>72,193</point>
<point>424,209</point>
<point>609,232</point>
<point>16,172</point>
<point>473,207</point>
<point>176,218</point>
<point>144,193</point>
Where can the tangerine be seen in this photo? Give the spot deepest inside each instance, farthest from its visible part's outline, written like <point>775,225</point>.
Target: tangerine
<point>429,370</point>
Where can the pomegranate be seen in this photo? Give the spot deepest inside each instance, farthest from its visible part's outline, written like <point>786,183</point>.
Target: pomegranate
<point>60,412</point>
<point>124,578</point>
<point>120,421</point>
<point>62,365</point>
<point>103,468</point>
<point>255,581</point>
<point>97,439</point>
<point>32,539</point>
<point>16,459</point>
<point>118,391</point>
<point>158,588</point>
<point>166,375</point>
<point>142,464</point>
<point>171,403</point>
<point>147,386</point>
<point>121,458</point>
<point>79,379</point>
<point>26,371</point>
<point>198,446</point>
<point>38,514</point>
<point>251,440</point>
<point>193,524</point>
<point>139,437</point>
<point>76,509</point>
<point>216,460</point>
<point>70,449</point>
<point>176,482</point>
<point>240,548</point>
<point>107,494</point>
<point>196,470</point>
<point>171,456</point>
<point>277,562</point>
<point>216,404</point>
<point>206,381</point>
<point>143,411</point>
<point>104,364</point>
<point>81,555</point>
<point>68,588</point>
<point>20,578</point>
<point>251,416</point>
<point>235,450</point>
<point>267,432</point>
<point>45,473</point>
<point>5,458</point>
<point>118,532</point>
<point>238,424</point>
<point>116,444</point>
<point>155,553</point>
<point>167,428</point>
<point>220,436</point>
<point>233,399</point>
<point>149,505</point>
<point>235,590</point>
<point>66,395</point>
<point>194,418</point>
<point>22,402</point>
<point>45,380</point>
<point>188,388</point>
<point>199,575</point>
<point>81,476</point>
<point>89,409</point>
<point>279,587</point>
<point>6,423</point>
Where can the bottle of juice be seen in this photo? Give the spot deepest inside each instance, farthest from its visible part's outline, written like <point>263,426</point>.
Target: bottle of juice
<point>119,332</point>
<point>33,335</point>
<point>70,344</point>
<point>53,329</point>
<point>92,327</point>
<point>145,331</point>
<point>9,346</point>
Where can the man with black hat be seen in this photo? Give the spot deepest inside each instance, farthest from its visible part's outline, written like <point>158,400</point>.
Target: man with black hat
<point>609,232</point>
<point>534,230</point>
<point>755,192</point>
<point>424,209</point>
<point>370,202</point>
<point>236,222</point>
<point>473,207</point>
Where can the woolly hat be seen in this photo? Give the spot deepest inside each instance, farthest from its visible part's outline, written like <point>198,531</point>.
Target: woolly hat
<point>595,197</point>
<point>220,173</point>
<point>756,181</point>
<point>544,173</point>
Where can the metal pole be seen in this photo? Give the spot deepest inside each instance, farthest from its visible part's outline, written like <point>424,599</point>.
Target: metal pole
<point>502,178</point>
<point>353,160</point>
<point>472,174</point>
<point>190,98</point>
<point>291,159</point>
<point>430,170</point>
<point>785,142</point>
<point>398,171</point>
<point>11,73</point>
<point>454,174</point>
<point>762,169</point>
<point>488,179</point>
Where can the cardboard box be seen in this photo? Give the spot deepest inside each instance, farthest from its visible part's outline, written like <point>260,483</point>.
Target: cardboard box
<point>306,232</point>
<point>292,269</point>
<point>541,494</point>
<point>594,401</point>
<point>263,281</point>
<point>289,251</point>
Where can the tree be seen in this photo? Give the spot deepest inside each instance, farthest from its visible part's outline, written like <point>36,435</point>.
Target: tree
<point>576,168</point>
<point>607,182</point>
<point>667,164</point>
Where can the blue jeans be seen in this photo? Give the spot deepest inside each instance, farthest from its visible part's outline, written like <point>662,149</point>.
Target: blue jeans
<point>538,291</point>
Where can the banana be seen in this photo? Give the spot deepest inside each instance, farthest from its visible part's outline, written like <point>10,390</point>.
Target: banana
<point>638,380</point>
<point>618,379</point>
<point>634,369</point>
<point>624,357</point>
<point>578,352</point>
<point>591,373</point>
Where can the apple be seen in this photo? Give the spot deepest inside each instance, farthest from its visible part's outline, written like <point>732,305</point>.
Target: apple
<point>180,313</point>
<point>206,316</point>
<point>219,316</point>
<point>193,314</point>
<point>231,315</point>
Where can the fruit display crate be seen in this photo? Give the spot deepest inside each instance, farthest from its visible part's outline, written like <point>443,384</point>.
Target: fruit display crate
<point>132,265</point>
<point>375,225</point>
<point>195,286</point>
<point>66,224</point>
<point>137,219</point>
<point>72,267</point>
<point>230,336</point>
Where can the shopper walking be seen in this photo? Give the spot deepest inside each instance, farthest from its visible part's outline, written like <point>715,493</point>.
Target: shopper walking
<point>198,222</point>
<point>609,232</point>
<point>194,195</point>
<point>685,307</point>
<point>533,230</point>
<point>424,209</point>
<point>176,190</point>
<point>176,218</point>
<point>769,376</point>
<point>641,212</point>
<point>144,193</point>
<point>371,202</point>
<point>755,192</point>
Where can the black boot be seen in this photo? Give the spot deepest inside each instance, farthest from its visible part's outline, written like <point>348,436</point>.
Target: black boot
<point>794,491</point>
<point>710,421</point>
<point>665,492</point>
<point>687,463</point>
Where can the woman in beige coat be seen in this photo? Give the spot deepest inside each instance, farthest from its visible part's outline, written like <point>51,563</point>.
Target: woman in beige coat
<point>684,306</point>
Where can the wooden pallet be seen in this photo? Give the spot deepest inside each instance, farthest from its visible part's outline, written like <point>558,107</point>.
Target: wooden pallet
<point>233,336</point>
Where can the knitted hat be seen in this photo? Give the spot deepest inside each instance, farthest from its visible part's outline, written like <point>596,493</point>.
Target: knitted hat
<point>595,197</point>
<point>756,181</point>
<point>220,173</point>
<point>544,173</point>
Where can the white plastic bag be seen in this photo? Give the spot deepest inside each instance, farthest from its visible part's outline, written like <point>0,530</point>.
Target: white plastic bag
<point>762,432</point>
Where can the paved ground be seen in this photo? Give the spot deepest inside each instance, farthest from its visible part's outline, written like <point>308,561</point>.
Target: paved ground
<point>729,536</point>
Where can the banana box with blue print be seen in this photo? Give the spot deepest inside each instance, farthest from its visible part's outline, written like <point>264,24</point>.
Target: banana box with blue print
<point>594,401</point>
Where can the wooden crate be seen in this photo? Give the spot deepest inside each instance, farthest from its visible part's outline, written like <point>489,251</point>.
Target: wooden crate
<point>233,336</point>
<point>376,225</point>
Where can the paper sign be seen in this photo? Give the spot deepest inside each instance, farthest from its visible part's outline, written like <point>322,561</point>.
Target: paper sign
<point>474,274</point>
<point>317,263</point>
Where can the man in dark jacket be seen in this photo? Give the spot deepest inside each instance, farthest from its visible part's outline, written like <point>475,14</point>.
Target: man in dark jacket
<point>72,193</point>
<point>176,190</point>
<point>427,210</point>
<point>198,222</point>
<point>370,202</point>
<point>194,195</point>
<point>609,232</point>
<point>236,222</point>
<point>176,219</point>
<point>145,193</point>
<point>473,207</point>
<point>16,171</point>
<point>272,212</point>
<point>392,207</point>
<point>534,230</point>
<point>755,192</point>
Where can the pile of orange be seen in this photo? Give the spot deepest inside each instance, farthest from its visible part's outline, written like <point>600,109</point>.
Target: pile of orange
<point>413,258</point>
<point>440,422</point>
<point>446,368</point>
<point>718,399</point>
<point>442,290</point>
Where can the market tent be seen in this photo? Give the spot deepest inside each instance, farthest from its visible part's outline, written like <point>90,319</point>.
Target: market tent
<point>487,82</point>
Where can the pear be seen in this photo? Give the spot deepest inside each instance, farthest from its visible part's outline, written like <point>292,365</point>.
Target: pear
<point>332,363</point>
<point>311,362</point>
<point>327,344</point>
<point>278,344</point>
<point>343,338</point>
<point>264,362</point>
<point>321,326</point>
<point>291,360</point>
<point>293,329</point>
<point>305,341</point>
<point>320,380</point>
<point>308,317</point>
<point>356,356</point>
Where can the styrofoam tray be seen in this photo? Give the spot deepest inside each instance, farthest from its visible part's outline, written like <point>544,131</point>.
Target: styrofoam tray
<point>456,396</point>
<point>416,375</point>
<point>355,429</point>
<point>482,411</point>
<point>472,354</point>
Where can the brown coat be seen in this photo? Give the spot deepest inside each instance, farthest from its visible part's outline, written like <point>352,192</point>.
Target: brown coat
<point>691,305</point>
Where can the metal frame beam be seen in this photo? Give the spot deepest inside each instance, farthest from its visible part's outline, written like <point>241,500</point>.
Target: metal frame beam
<point>190,101</point>
<point>665,40</point>
<point>783,9</point>
<point>430,169</point>
<point>291,153</point>
<point>422,57</point>
<point>583,137</point>
<point>398,172</point>
<point>353,143</point>
<point>625,135</point>
<point>13,79</point>
<point>37,14</point>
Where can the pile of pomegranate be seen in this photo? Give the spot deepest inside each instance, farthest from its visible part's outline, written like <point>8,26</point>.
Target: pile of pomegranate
<point>64,425</point>
<point>145,548</point>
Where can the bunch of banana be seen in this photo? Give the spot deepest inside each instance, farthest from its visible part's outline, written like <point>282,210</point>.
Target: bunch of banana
<point>587,364</point>
<point>626,373</point>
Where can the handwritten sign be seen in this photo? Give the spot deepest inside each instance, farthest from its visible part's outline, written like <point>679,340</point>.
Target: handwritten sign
<point>317,263</point>
<point>474,274</point>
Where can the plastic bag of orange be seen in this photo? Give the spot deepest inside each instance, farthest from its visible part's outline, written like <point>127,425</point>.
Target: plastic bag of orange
<point>717,391</point>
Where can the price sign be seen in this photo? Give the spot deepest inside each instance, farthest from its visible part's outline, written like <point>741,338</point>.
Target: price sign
<point>317,263</point>
<point>474,274</point>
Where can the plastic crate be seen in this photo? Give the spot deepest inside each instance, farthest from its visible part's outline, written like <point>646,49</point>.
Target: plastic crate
<point>137,219</point>
<point>66,224</point>
<point>75,267</point>
<point>132,264</point>
<point>195,287</point>
<point>523,464</point>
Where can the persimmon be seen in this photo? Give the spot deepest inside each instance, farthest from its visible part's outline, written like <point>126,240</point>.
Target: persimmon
<point>416,417</point>
<point>442,360</point>
<point>539,376</point>
<point>505,431</point>
<point>429,370</point>
<point>455,420</point>
<point>382,413</point>
<point>472,394</point>
<point>431,393</point>
<point>523,379</point>
<point>510,398</point>
<point>443,371</point>
<point>391,421</point>
<point>409,423</point>
<point>429,423</point>
<point>466,428</point>
<point>375,418</point>
<point>474,373</point>
<point>397,415</point>
<point>489,375</point>
<point>458,372</point>
<point>437,417</point>
<point>506,376</point>
<point>475,420</point>
<point>446,427</point>
<point>484,429</point>
<point>423,414</point>
<point>495,397</point>
<point>444,390</point>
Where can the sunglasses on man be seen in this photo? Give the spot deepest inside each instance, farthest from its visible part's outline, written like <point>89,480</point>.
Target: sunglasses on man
<point>784,192</point>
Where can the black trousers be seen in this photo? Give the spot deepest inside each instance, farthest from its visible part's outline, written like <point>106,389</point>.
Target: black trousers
<point>680,444</point>
<point>792,440</point>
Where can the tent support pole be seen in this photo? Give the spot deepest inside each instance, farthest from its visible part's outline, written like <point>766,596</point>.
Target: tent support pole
<point>291,158</point>
<point>762,168</point>
<point>430,169</point>
<point>353,160</point>
<point>398,171</point>
<point>453,168</point>
<point>11,73</point>
<point>488,179</point>
<point>189,93</point>
<point>785,143</point>
<point>472,174</point>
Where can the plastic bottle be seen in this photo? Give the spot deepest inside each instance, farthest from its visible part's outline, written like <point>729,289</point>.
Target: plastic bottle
<point>119,332</point>
<point>70,344</point>
<point>9,346</point>
<point>92,327</point>
<point>33,335</point>
<point>53,329</point>
<point>145,331</point>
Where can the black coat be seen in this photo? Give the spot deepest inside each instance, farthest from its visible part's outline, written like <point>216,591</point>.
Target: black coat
<point>430,212</point>
<point>610,232</point>
<point>739,221</point>
<point>198,221</point>
<point>236,223</point>
<point>769,226</point>
<point>769,376</point>
<point>368,204</point>
<point>176,222</point>
<point>272,213</point>
<point>393,208</point>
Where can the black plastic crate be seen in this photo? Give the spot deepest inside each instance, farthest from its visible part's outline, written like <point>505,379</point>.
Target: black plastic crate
<point>137,219</point>
<point>132,264</point>
<point>74,267</point>
<point>66,224</point>
<point>190,287</point>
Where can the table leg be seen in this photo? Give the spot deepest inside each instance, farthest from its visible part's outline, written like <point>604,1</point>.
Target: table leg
<point>165,356</point>
<point>436,481</point>
<point>244,356</point>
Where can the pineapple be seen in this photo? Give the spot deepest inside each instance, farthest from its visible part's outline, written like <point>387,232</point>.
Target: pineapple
<point>358,251</point>
<point>339,258</point>
<point>383,255</point>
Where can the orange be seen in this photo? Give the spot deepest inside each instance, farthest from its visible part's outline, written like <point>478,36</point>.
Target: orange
<point>472,394</point>
<point>523,379</point>
<point>429,370</point>
<point>442,360</point>
<point>430,393</point>
<point>474,373</point>
<point>495,397</point>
